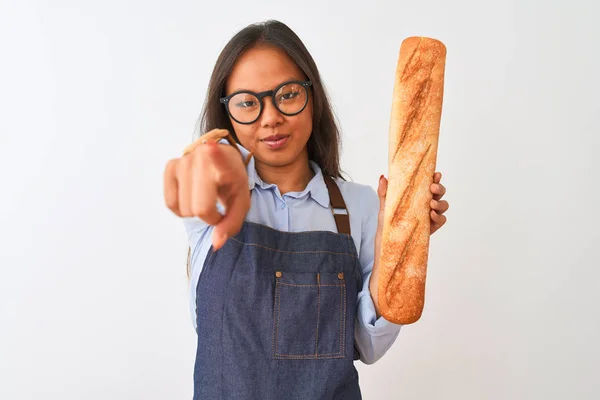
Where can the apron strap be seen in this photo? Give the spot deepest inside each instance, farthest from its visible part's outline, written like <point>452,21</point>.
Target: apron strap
<point>338,206</point>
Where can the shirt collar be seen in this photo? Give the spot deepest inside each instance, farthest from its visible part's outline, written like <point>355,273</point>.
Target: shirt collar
<point>316,188</point>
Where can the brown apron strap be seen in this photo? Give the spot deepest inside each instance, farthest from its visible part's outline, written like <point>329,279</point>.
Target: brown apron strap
<point>338,206</point>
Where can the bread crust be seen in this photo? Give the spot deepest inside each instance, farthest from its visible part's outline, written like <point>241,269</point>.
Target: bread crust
<point>413,143</point>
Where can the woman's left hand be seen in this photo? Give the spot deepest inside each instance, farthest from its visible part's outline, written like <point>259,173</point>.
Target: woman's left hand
<point>438,206</point>
<point>437,219</point>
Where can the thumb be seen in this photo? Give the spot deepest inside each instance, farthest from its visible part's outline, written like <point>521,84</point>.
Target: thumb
<point>382,190</point>
<point>381,193</point>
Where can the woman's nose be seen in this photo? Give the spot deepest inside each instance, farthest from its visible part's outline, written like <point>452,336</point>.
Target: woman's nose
<point>270,115</point>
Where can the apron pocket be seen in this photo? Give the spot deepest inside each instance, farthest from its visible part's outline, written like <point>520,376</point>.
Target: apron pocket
<point>310,315</point>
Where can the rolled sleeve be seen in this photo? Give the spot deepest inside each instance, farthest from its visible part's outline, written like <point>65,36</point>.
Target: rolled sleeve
<point>374,336</point>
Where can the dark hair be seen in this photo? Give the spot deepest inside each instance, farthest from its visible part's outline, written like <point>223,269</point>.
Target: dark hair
<point>324,142</point>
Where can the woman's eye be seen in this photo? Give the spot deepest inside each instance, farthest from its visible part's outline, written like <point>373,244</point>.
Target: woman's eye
<point>288,96</point>
<point>245,104</point>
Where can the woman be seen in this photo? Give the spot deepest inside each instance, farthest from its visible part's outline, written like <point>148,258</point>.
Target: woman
<point>280,288</point>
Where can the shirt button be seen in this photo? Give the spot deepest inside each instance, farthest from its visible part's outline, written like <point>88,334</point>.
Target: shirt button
<point>283,206</point>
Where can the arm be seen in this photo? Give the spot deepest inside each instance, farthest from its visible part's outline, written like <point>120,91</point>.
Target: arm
<point>199,186</point>
<point>374,335</point>
<point>199,232</point>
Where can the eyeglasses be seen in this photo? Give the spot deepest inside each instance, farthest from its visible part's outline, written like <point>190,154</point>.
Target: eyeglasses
<point>245,106</point>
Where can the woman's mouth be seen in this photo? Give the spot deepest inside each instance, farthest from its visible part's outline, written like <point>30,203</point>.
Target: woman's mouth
<point>276,142</point>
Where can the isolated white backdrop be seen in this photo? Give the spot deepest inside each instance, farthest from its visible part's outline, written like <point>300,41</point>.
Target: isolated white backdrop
<point>96,96</point>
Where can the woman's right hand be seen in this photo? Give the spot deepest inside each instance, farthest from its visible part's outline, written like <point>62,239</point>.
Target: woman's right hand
<point>194,183</point>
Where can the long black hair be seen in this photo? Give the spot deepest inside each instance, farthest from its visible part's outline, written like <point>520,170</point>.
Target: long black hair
<point>324,142</point>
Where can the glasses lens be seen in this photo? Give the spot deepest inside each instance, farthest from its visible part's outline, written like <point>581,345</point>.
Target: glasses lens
<point>244,107</point>
<point>291,98</point>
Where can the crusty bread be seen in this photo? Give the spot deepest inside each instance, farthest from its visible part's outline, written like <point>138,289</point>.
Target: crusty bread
<point>413,142</point>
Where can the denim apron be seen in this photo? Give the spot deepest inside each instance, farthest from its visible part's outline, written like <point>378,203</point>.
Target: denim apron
<point>275,314</point>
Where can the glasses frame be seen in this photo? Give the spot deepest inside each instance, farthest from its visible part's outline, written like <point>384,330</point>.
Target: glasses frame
<point>260,96</point>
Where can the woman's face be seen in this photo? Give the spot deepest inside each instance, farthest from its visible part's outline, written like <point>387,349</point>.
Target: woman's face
<point>275,139</point>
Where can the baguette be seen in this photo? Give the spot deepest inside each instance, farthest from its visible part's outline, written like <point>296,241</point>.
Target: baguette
<point>413,143</point>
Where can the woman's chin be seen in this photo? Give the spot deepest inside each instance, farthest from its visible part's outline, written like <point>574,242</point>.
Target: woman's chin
<point>276,159</point>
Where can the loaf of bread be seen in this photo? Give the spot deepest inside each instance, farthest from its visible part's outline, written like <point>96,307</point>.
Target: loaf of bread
<point>413,143</point>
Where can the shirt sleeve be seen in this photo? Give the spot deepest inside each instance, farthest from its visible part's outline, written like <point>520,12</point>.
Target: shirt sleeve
<point>374,336</point>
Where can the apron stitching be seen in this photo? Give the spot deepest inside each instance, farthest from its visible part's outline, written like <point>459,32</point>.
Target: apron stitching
<point>294,252</point>
<point>318,314</point>
<point>309,356</point>
<point>341,316</point>
<point>306,284</point>
<point>278,290</point>
<point>295,233</point>
<point>344,324</point>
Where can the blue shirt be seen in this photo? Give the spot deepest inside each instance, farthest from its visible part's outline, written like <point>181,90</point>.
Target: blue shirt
<point>306,211</point>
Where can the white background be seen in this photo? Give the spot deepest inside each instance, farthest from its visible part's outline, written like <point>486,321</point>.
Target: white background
<point>95,97</point>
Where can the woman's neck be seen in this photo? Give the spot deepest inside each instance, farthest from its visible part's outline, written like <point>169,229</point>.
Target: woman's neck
<point>289,178</point>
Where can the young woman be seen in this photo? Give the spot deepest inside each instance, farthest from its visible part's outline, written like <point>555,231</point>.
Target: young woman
<point>282,291</point>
